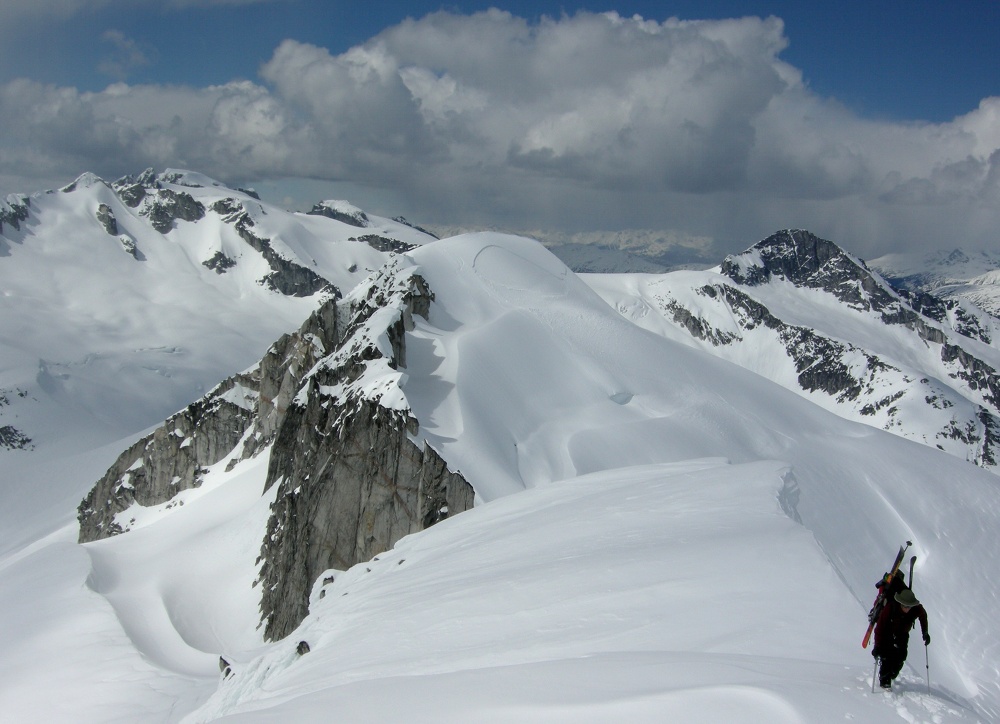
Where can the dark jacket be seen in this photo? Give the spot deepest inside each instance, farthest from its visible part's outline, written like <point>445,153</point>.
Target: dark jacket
<point>892,630</point>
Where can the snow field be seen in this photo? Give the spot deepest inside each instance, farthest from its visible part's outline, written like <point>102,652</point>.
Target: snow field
<point>627,595</point>
<point>661,536</point>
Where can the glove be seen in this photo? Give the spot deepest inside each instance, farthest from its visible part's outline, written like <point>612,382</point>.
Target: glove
<point>927,639</point>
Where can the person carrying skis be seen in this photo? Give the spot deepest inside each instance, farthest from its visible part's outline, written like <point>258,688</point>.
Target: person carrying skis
<point>897,584</point>
<point>892,632</point>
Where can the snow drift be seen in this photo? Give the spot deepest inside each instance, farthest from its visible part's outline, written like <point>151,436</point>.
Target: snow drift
<point>660,534</point>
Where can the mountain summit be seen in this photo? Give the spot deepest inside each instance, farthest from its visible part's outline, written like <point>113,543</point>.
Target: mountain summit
<point>463,482</point>
<point>124,301</point>
<point>804,313</point>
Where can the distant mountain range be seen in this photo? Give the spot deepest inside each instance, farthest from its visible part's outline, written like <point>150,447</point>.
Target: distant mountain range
<point>121,299</point>
<point>252,410</point>
<point>804,313</point>
<point>642,251</point>
<point>974,276</point>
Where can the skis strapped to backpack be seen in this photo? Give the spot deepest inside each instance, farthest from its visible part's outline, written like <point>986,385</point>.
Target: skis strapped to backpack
<point>880,599</point>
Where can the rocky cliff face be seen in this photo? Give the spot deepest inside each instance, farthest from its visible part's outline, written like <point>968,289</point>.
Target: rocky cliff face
<point>155,469</point>
<point>286,277</point>
<point>807,261</point>
<point>350,476</point>
<point>350,480</point>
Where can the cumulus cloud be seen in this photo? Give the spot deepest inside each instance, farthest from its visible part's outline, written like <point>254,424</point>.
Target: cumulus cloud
<point>583,122</point>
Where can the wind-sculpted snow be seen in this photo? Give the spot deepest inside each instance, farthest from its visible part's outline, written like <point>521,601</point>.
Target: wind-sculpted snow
<point>659,533</point>
<point>621,474</point>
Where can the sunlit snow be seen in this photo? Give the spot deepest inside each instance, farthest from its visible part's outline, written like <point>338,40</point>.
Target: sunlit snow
<point>660,535</point>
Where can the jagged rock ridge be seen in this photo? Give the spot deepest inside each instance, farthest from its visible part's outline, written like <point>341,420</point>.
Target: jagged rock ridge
<point>808,261</point>
<point>959,412</point>
<point>286,277</point>
<point>349,476</point>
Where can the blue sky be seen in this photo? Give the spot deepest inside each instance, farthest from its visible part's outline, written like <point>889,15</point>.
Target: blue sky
<point>903,59</point>
<point>861,121</point>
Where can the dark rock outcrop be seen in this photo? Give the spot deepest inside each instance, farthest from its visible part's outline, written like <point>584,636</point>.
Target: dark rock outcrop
<point>348,472</point>
<point>14,212</point>
<point>132,189</point>
<point>107,219</point>
<point>384,243</point>
<point>13,439</point>
<point>286,277</point>
<point>168,206</point>
<point>351,216</point>
<point>172,459</point>
<point>219,263</point>
<point>162,206</point>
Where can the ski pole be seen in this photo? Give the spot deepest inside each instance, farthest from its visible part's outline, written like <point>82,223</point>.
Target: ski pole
<point>927,665</point>
<point>874,674</point>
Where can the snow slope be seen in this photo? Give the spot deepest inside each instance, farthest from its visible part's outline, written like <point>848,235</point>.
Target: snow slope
<point>662,535</point>
<point>907,385</point>
<point>973,276</point>
<point>97,343</point>
<point>87,326</point>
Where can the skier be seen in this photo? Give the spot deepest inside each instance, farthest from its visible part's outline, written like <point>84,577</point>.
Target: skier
<point>892,633</point>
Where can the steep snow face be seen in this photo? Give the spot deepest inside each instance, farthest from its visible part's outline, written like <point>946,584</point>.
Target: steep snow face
<point>122,302</point>
<point>803,313</point>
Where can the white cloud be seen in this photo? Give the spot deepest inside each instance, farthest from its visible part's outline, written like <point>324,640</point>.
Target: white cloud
<point>589,121</point>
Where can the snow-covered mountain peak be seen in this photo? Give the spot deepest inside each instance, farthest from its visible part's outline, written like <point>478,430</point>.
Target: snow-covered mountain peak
<point>84,181</point>
<point>805,260</point>
<point>149,275</point>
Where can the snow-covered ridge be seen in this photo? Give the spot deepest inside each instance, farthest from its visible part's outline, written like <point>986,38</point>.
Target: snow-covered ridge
<point>952,276</point>
<point>123,293</point>
<point>802,312</point>
<point>599,447</point>
<point>658,532</point>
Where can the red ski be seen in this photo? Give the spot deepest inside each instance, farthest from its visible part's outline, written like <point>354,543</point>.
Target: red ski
<point>883,585</point>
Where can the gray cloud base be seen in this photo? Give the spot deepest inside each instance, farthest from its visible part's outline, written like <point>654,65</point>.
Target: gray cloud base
<point>593,121</point>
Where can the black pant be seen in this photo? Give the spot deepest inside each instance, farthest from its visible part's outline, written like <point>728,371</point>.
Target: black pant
<point>892,664</point>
